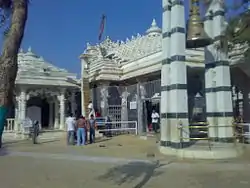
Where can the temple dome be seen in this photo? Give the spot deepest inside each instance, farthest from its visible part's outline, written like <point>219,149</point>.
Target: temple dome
<point>154,29</point>
<point>29,63</point>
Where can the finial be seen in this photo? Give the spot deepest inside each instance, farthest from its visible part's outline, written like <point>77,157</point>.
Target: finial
<point>154,29</point>
<point>20,50</point>
<point>29,49</point>
<point>154,24</point>
<point>88,46</point>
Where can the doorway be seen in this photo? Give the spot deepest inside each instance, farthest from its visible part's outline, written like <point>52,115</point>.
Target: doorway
<point>38,109</point>
<point>148,106</point>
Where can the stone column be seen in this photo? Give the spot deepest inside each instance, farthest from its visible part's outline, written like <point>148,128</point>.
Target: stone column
<point>165,81</point>
<point>141,94</point>
<point>210,74</point>
<point>51,118</point>
<point>124,105</point>
<point>56,112</point>
<point>178,111</point>
<point>73,103</point>
<point>84,85</point>
<point>224,104</point>
<point>104,99</point>
<point>17,113</point>
<point>62,109</point>
<point>23,99</point>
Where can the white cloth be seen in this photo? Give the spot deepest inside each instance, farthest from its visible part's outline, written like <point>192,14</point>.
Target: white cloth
<point>155,117</point>
<point>90,106</point>
<point>70,123</point>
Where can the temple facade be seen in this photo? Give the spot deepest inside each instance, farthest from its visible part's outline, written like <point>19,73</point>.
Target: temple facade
<point>43,92</point>
<point>156,70</point>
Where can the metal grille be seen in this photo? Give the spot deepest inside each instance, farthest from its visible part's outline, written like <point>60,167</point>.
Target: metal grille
<point>114,112</point>
<point>122,101</point>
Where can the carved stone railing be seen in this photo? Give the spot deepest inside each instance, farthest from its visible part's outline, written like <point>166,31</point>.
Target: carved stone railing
<point>10,125</point>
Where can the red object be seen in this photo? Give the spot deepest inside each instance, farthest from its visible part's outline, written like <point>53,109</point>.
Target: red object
<point>97,114</point>
<point>102,25</point>
<point>150,127</point>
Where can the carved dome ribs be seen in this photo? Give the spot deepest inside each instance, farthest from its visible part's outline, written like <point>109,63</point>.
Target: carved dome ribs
<point>30,63</point>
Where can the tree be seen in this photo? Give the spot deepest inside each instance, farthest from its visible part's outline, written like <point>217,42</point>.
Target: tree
<point>238,28</point>
<point>14,14</point>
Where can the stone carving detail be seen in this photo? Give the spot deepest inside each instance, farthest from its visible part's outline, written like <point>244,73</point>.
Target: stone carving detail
<point>124,96</point>
<point>42,93</point>
<point>143,92</point>
<point>104,100</point>
<point>124,103</point>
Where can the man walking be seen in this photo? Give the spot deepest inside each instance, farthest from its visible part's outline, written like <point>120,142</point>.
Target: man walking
<point>70,125</point>
<point>92,126</point>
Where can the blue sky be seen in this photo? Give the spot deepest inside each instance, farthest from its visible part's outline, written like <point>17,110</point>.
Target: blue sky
<point>59,30</point>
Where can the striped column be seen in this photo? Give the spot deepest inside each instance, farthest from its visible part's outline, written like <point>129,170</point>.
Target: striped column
<point>178,107</point>
<point>223,91</point>
<point>210,83</point>
<point>166,27</point>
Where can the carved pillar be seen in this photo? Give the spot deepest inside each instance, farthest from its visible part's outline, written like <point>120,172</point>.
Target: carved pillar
<point>17,113</point>
<point>124,106</point>
<point>85,90</point>
<point>104,99</point>
<point>17,106</point>
<point>51,104</point>
<point>62,109</point>
<point>142,127</point>
<point>73,103</point>
<point>56,112</point>
<point>23,100</point>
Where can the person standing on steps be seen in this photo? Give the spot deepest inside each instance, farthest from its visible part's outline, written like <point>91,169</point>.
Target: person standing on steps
<point>92,127</point>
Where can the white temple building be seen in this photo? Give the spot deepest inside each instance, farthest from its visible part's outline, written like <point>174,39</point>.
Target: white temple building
<point>201,81</point>
<point>43,92</point>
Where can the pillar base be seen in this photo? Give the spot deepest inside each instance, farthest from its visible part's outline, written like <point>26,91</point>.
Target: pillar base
<point>202,150</point>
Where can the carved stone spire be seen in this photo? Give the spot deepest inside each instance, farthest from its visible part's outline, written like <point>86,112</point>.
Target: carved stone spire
<point>154,29</point>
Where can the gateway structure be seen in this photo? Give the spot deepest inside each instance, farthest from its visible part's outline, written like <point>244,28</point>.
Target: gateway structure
<point>186,76</point>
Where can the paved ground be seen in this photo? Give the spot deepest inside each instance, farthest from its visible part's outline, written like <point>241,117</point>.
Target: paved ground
<point>122,163</point>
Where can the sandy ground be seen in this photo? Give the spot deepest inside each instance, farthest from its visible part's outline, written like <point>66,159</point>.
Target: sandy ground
<point>125,161</point>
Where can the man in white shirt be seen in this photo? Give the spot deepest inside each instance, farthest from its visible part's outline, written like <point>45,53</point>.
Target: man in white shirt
<point>70,126</point>
<point>155,120</point>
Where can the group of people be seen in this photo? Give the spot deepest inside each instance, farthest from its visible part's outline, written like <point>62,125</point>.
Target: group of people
<point>77,130</point>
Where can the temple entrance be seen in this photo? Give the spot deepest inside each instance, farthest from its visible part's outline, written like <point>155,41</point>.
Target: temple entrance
<point>148,106</point>
<point>38,109</point>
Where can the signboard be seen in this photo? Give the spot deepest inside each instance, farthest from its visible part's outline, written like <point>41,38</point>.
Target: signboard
<point>133,105</point>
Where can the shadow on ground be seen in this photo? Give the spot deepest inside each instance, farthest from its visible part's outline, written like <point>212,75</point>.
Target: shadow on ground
<point>129,173</point>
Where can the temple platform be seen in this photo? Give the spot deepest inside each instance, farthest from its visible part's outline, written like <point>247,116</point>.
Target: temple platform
<point>44,135</point>
<point>201,150</point>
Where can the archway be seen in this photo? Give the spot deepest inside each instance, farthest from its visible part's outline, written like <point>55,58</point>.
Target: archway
<point>38,109</point>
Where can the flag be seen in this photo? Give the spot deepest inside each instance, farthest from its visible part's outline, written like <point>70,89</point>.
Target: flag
<point>102,25</point>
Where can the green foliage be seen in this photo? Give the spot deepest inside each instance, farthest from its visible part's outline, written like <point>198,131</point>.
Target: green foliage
<point>238,29</point>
